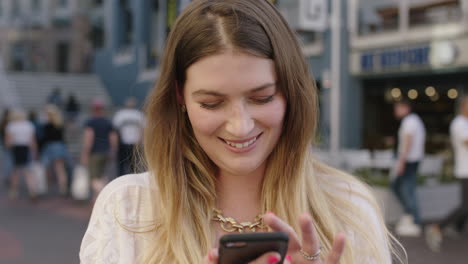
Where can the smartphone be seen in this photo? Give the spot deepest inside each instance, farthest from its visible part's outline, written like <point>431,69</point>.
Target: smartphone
<point>245,247</point>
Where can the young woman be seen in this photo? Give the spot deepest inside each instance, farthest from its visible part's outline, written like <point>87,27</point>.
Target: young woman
<point>20,140</point>
<point>230,126</point>
<point>54,152</point>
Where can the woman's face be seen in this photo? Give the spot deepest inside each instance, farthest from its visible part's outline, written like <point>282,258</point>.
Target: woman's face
<point>235,108</point>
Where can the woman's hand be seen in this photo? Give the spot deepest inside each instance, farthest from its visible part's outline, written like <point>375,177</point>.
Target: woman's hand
<point>310,243</point>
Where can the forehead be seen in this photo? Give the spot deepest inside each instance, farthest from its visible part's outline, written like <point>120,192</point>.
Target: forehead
<point>230,70</point>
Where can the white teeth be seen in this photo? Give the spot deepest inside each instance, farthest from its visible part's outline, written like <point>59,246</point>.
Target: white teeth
<point>241,145</point>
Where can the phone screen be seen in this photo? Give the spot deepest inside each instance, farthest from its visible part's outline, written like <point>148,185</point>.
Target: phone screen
<point>246,247</point>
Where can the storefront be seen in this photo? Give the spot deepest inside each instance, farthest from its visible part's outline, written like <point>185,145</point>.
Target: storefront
<point>433,75</point>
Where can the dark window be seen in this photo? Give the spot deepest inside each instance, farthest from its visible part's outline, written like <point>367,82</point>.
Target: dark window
<point>62,57</point>
<point>15,8</point>
<point>36,5</point>
<point>152,55</point>
<point>126,23</point>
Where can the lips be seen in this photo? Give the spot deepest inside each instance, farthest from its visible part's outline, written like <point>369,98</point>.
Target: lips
<point>241,144</point>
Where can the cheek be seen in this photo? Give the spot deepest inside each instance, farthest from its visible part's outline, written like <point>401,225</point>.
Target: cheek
<point>273,115</point>
<point>203,122</point>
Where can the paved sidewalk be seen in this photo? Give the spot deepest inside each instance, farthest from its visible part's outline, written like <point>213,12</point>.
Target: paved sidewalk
<point>47,232</point>
<point>50,232</point>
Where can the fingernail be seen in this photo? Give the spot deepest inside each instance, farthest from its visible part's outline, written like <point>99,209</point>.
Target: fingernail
<point>270,212</point>
<point>288,258</point>
<point>210,258</point>
<point>273,260</point>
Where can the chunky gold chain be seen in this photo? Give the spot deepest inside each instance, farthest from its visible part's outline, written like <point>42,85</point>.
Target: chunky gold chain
<point>230,225</point>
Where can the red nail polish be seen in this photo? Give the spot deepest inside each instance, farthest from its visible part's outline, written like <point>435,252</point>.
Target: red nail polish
<point>273,260</point>
<point>288,258</point>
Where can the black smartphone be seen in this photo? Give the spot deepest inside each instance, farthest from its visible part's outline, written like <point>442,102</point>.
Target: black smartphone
<point>245,247</point>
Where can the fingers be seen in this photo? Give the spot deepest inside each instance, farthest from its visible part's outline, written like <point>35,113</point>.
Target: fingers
<point>212,257</point>
<point>278,225</point>
<point>310,240</point>
<point>268,258</point>
<point>337,249</point>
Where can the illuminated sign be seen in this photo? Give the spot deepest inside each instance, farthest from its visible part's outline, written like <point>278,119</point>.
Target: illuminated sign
<point>396,58</point>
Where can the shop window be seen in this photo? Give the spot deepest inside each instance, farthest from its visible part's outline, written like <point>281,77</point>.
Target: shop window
<point>377,16</point>
<point>427,12</point>
<point>126,23</point>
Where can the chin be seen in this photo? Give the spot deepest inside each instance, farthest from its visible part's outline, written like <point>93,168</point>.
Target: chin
<point>241,168</point>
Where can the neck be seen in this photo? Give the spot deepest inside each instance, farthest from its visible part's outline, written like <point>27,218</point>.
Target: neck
<point>239,195</point>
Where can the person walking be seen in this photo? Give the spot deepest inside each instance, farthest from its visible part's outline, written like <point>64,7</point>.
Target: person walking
<point>99,145</point>
<point>20,139</point>
<point>411,140</point>
<point>129,123</point>
<point>54,152</point>
<point>458,217</point>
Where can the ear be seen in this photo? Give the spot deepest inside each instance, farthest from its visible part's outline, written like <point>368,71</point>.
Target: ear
<point>179,93</point>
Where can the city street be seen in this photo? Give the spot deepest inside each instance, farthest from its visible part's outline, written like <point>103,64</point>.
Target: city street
<point>50,232</point>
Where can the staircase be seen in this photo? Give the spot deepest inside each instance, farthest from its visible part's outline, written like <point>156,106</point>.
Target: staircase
<point>32,90</point>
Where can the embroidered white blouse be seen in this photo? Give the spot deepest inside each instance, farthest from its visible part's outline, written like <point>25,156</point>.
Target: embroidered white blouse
<point>122,208</point>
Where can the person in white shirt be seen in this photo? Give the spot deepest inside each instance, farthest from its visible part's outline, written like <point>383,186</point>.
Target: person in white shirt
<point>20,139</point>
<point>129,123</point>
<point>458,217</point>
<point>411,141</point>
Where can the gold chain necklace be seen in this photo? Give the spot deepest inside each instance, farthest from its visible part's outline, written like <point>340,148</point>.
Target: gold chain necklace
<point>230,225</point>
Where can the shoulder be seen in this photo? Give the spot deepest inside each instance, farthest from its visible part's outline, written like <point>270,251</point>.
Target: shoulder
<point>122,222</point>
<point>126,185</point>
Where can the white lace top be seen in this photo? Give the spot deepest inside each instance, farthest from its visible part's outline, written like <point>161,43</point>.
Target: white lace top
<point>120,216</point>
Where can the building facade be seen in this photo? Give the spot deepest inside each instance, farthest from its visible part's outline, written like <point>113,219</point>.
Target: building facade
<point>135,34</point>
<point>413,49</point>
<point>47,35</point>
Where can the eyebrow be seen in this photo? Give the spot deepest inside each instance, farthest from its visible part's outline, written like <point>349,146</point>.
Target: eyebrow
<point>253,90</point>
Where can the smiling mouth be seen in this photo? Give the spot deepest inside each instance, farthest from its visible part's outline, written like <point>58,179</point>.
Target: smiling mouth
<point>242,144</point>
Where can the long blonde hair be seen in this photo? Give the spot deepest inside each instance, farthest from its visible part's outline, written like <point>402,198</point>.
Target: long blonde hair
<point>54,116</point>
<point>293,183</point>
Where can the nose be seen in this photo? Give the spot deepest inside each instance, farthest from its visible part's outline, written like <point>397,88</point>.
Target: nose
<point>239,121</point>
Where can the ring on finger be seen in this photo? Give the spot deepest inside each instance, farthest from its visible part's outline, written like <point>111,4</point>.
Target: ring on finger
<point>314,256</point>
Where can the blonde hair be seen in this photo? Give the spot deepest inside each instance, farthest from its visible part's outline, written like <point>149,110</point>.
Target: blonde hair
<point>17,115</point>
<point>185,176</point>
<point>54,116</point>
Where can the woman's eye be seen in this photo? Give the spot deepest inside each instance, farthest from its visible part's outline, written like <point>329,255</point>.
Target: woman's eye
<point>262,100</point>
<point>210,105</point>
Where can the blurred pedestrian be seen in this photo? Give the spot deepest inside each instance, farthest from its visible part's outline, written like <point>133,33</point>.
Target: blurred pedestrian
<point>38,134</point>
<point>54,153</point>
<point>6,154</point>
<point>20,139</point>
<point>55,97</point>
<point>72,108</point>
<point>99,145</point>
<point>456,220</point>
<point>411,141</point>
<point>129,123</point>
